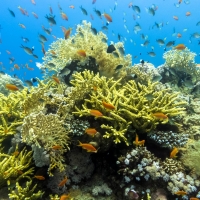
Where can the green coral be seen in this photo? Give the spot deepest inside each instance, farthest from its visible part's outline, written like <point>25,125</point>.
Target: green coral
<point>65,52</point>
<point>15,167</point>
<point>130,103</point>
<point>26,193</point>
<point>183,61</point>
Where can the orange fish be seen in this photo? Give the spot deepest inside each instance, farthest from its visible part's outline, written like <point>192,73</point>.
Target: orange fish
<point>20,172</point>
<point>67,33</point>
<point>64,197</point>
<point>181,192</point>
<point>91,131</point>
<point>137,142</point>
<point>16,153</point>
<point>64,16</point>
<point>173,153</point>
<point>11,87</point>
<point>56,79</point>
<point>16,66</point>
<point>35,15</point>
<point>8,52</point>
<point>194,198</point>
<point>81,52</point>
<point>180,1</point>
<point>108,17</point>
<point>179,35</point>
<point>180,47</point>
<point>62,183</point>
<point>30,61</point>
<point>22,26</point>
<point>108,105</point>
<point>187,14</point>
<point>56,147</point>
<point>50,9</point>
<point>175,17</point>
<point>54,36</point>
<point>130,5</point>
<point>160,115</point>
<point>96,113</point>
<point>43,50</point>
<point>22,10</point>
<point>41,178</point>
<point>88,147</point>
<point>72,6</point>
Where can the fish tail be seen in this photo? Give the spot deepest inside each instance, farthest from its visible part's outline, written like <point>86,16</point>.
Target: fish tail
<point>80,144</point>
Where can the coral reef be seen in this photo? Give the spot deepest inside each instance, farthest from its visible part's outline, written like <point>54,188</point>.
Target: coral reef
<point>63,53</point>
<point>26,193</point>
<point>129,101</point>
<point>49,133</point>
<point>15,167</point>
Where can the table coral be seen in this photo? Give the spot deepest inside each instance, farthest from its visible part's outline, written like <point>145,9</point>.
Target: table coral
<point>26,193</point>
<point>65,53</point>
<point>131,107</point>
<point>47,131</point>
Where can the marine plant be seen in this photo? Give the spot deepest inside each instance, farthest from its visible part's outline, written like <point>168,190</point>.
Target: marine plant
<point>123,105</point>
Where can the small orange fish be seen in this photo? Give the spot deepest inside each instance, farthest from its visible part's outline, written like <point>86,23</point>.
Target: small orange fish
<point>64,16</point>
<point>30,61</point>
<point>108,105</point>
<point>67,33</point>
<point>81,52</point>
<point>30,68</point>
<point>88,147</point>
<point>16,66</point>
<point>187,14</point>
<point>33,2</point>
<point>16,153</point>
<point>56,147</point>
<point>194,198</point>
<point>137,142</point>
<point>8,52</point>
<point>11,87</point>
<point>72,6</point>
<point>180,47</point>
<point>50,9</point>
<point>180,1</point>
<point>173,153</point>
<point>54,36</point>
<point>181,192</point>
<point>179,35</point>
<point>159,115</point>
<point>20,172</point>
<point>91,131</point>
<point>56,79</point>
<point>53,52</point>
<point>175,17</point>
<point>35,15</point>
<point>22,10</point>
<point>41,178</point>
<point>64,197</point>
<point>62,183</point>
<point>22,26</point>
<point>96,113</point>
<point>108,17</point>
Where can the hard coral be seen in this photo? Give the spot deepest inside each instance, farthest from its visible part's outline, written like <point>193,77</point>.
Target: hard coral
<point>131,106</point>
<point>65,53</point>
<point>47,131</point>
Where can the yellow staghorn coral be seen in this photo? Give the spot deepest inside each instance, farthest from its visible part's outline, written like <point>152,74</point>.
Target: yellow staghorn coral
<point>48,132</point>
<point>25,193</point>
<point>65,52</point>
<point>11,112</point>
<point>15,167</point>
<point>131,106</point>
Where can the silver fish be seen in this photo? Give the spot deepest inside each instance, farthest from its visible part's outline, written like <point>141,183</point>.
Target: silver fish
<point>136,9</point>
<point>137,28</point>
<point>27,50</point>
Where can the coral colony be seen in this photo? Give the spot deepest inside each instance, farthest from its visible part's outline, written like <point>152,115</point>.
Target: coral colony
<point>98,128</point>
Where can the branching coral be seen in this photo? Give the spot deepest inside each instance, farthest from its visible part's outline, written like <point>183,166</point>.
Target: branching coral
<point>15,166</point>
<point>182,61</point>
<point>130,103</point>
<point>48,132</point>
<point>26,193</point>
<point>65,52</point>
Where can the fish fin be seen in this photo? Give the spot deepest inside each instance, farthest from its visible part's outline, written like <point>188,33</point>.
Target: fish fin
<point>80,144</point>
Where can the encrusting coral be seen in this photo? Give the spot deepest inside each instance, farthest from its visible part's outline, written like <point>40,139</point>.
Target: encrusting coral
<point>64,52</point>
<point>26,193</point>
<point>15,167</point>
<point>128,101</point>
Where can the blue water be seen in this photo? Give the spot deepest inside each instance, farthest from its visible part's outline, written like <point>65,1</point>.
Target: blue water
<point>121,14</point>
